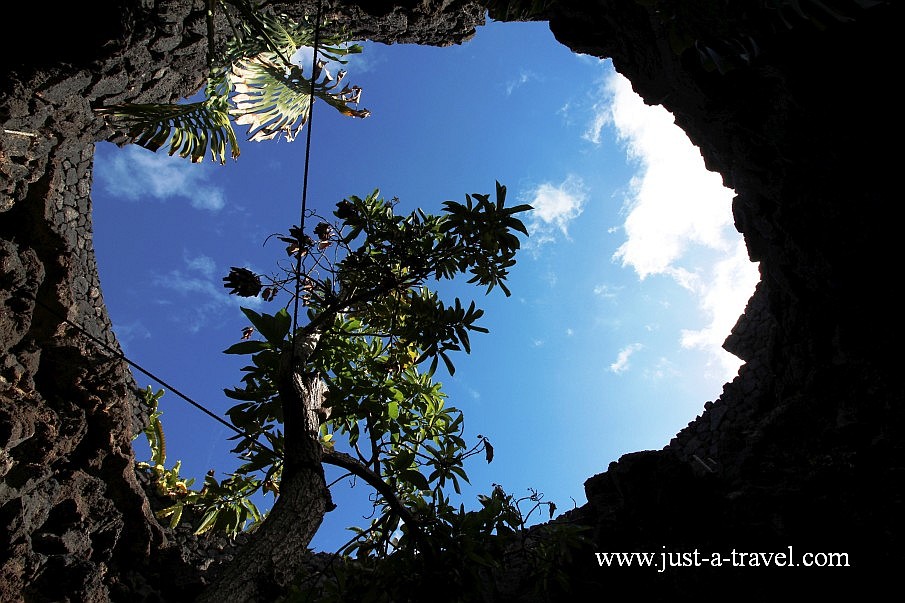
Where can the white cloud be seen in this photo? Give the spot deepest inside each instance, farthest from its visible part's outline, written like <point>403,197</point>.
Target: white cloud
<point>178,281</point>
<point>675,201</point>
<point>523,78</point>
<point>554,208</point>
<point>135,173</point>
<point>621,365</point>
<point>201,263</point>
<point>723,298</point>
<point>126,333</point>
<point>607,291</point>
<point>676,213</point>
<point>663,369</point>
<point>211,199</point>
<point>202,293</point>
<point>601,119</point>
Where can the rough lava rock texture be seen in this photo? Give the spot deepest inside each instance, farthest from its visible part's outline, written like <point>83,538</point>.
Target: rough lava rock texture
<point>804,447</point>
<point>792,102</point>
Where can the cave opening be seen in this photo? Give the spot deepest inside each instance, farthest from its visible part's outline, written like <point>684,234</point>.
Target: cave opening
<point>630,280</point>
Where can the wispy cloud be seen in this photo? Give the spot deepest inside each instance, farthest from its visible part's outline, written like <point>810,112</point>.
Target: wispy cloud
<point>520,80</point>
<point>676,209</point>
<point>607,291</point>
<point>202,264</point>
<point>555,206</point>
<point>201,291</point>
<point>602,117</point>
<point>134,173</point>
<point>662,370</point>
<point>723,297</point>
<point>622,358</point>
<point>127,333</point>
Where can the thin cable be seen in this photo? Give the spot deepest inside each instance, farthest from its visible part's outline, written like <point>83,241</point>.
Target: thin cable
<point>298,271</point>
<point>298,264</point>
<point>120,356</point>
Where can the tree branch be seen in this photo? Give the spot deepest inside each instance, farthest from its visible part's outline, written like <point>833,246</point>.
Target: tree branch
<point>355,467</point>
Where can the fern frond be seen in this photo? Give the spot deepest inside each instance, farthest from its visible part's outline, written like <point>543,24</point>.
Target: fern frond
<point>191,129</point>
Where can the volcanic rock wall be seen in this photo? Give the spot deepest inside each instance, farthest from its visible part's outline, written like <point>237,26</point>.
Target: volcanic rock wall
<point>791,103</point>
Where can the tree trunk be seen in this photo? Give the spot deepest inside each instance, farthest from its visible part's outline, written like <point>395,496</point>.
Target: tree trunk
<point>277,550</point>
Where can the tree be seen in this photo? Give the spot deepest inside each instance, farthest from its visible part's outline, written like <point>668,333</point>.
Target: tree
<point>349,387</point>
<point>352,386</point>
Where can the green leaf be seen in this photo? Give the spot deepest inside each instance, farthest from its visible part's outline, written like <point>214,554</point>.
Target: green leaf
<point>191,128</point>
<point>273,327</point>
<point>253,317</point>
<point>242,394</point>
<point>393,410</point>
<point>167,512</point>
<point>253,509</point>
<point>247,347</point>
<point>273,98</point>
<point>404,459</point>
<point>449,364</point>
<point>207,522</point>
<point>282,322</point>
<point>177,516</point>
<point>415,478</point>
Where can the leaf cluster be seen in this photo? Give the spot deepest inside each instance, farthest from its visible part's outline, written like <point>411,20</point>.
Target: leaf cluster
<point>469,556</point>
<point>223,506</point>
<point>252,81</point>
<point>365,280</point>
<point>383,330</point>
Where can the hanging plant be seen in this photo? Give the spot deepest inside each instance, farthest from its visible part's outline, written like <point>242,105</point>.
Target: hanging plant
<point>253,82</point>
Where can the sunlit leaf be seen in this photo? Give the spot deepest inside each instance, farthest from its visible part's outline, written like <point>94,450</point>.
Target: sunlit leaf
<point>208,520</point>
<point>192,129</point>
<point>275,99</point>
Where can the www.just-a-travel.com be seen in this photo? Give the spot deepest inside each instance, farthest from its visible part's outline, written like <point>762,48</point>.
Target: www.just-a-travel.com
<point>663,560</point>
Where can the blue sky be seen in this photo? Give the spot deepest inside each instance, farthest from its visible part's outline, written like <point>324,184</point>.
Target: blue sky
<point>625,290</point>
